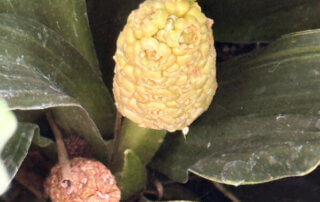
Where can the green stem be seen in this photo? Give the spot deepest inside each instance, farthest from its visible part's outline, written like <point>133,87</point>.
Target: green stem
<point>143,141</point>
<point>116,138</point>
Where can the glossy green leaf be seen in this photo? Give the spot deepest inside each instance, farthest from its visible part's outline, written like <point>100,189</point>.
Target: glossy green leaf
<point>252,20</point>
<point>68,18</point>
<point>264,122</point>
<point>46,145</point>
<point>132,177</point>
<point>39,70</point>
<point>17,149</point>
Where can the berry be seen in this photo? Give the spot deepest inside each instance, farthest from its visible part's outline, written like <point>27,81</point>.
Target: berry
<point>165,65</point>
<point>91,181</point>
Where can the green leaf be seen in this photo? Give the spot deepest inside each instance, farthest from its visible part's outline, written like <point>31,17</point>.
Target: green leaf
<point>135,148</point>
<point>46,145</point>
<point>8,125</point>
<point>41,141</point>
<point>132,177</point>
<point>44,72</point>
<point>66,17</point>
<point>252,20</point>
<point>17,149</point>
<point>264,122</point>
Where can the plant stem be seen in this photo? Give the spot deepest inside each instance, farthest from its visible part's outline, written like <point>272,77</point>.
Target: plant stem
<point>159,188</point>
<point>116,138</point>
<point>226,193</point>
<point>64,162</point>
<point>143,141</point>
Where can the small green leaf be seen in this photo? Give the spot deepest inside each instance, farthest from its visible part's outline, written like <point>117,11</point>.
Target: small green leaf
<point>264,122</point>
<point>46,72</point>
<point>46,145</point>
<point>17,149</point>
<point>136,147</point>
<point>254,20</point>
<point>41,141</point>
<point>8,125</point>
<point>132,177</point>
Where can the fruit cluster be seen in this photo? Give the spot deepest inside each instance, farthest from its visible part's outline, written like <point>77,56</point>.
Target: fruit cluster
<point>165,65</point>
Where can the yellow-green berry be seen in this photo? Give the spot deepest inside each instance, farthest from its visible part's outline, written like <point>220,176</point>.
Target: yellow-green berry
<point>165,74</point>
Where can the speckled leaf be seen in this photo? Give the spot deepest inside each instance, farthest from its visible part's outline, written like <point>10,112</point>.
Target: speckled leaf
<point>264,122</point>
<point>132,177</point>
<point>66,17</point>
<point>69,19</point>
<point>252,20</point>
<point>17,148</point>
<point>44,72</point>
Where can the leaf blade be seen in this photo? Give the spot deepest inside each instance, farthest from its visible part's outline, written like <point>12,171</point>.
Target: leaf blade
<point>8,125</point>
<point>39,76</point>
<point>247,21</point>
<point>17,148</point>
<point>264,121</point>
<point>68,18</point>
<point>132,176</point>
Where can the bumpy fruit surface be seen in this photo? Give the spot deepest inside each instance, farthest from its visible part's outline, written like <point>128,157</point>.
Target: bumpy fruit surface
<point>165,65</point>
<point>91,182</point>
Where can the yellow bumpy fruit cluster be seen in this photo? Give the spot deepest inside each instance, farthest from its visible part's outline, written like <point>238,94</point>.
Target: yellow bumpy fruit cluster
<point>165,65</point>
